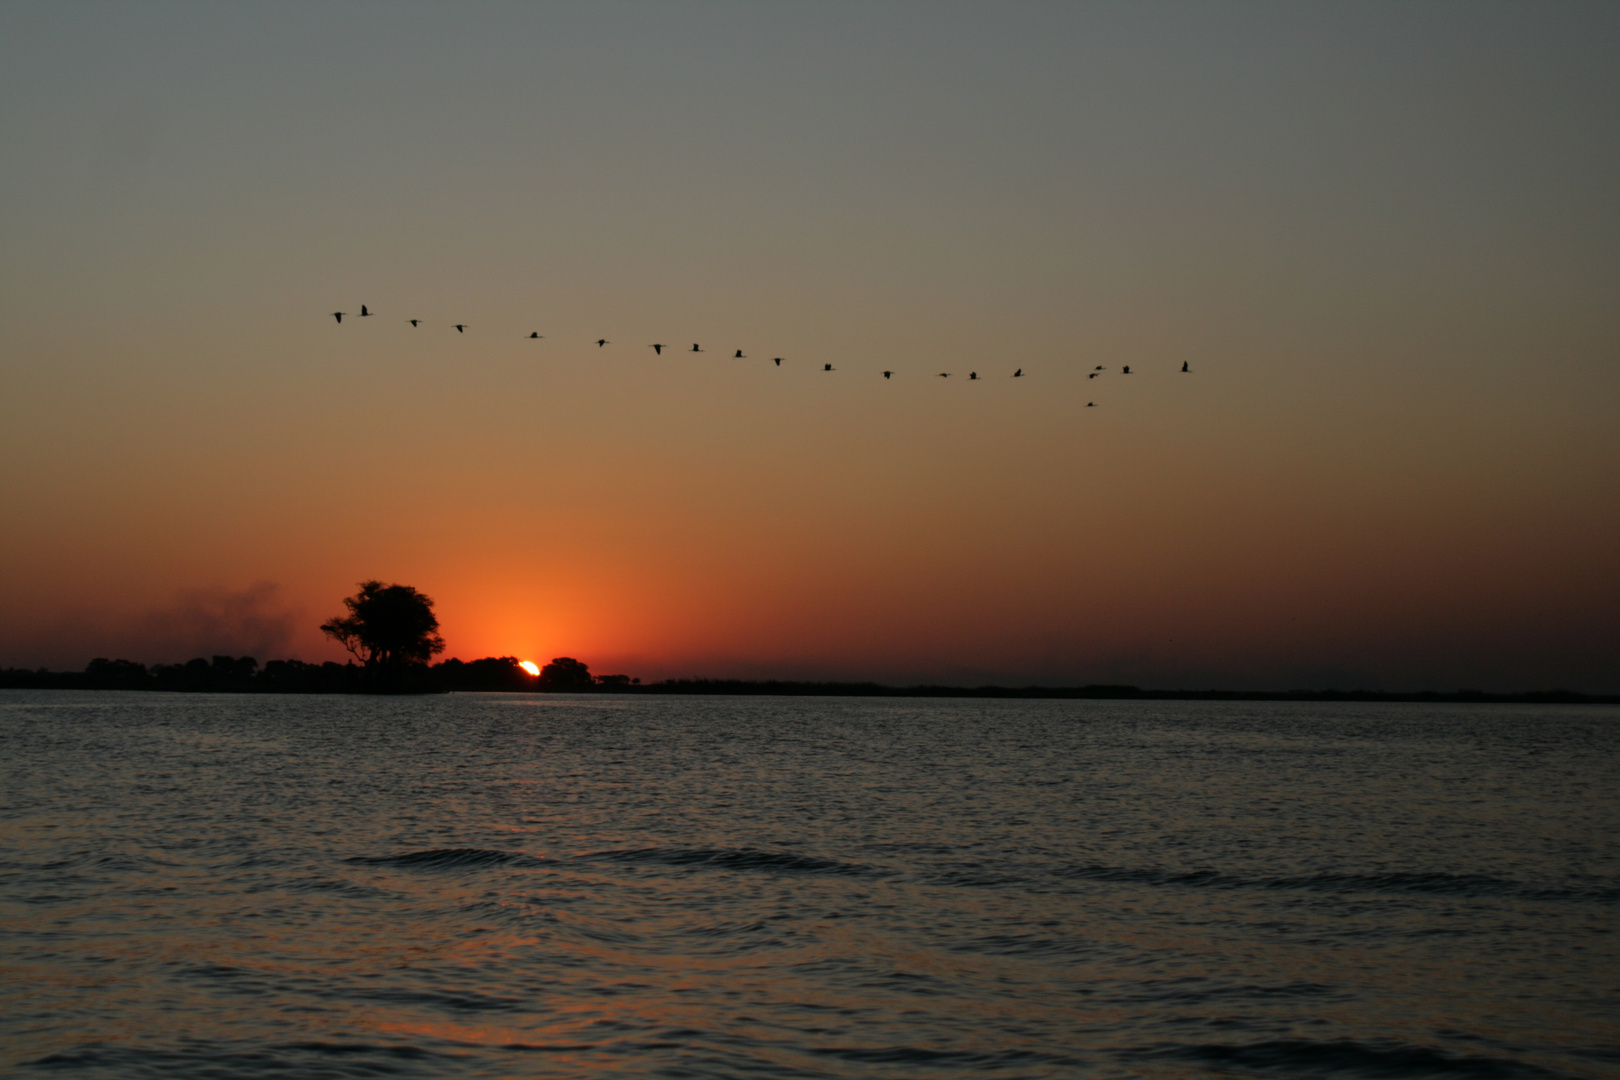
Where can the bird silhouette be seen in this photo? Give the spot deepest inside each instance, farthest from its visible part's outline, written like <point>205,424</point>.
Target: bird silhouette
<point>1019,374</point>
<point>1093,375</point>
<point>363,311</point>
<point>944,374</point>
<point>695,347</point>
<point>778,361</point>
<point>1185,368</point>
<point>973,375</point>
<point>739,356</point>
<point>413,322</point>
<point>338,315</point>
<point>461,328</point>
<point>1127,369</point>
<point>658,350</point>
<point>1091,404</point>
<point>886,374</point>
<point>601,342</point>
<point>1099,367</point>
<point>534,335</point>
<point>826,367</point>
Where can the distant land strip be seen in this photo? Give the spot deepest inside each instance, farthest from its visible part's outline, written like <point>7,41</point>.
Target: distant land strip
<point>225,674</point>
<point>1106,692</point>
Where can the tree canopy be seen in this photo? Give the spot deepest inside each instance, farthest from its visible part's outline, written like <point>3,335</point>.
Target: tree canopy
<point>388,628</point>
<point>566,674</point>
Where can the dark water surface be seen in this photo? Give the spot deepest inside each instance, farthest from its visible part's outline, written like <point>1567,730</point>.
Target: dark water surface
<point>506,885</point>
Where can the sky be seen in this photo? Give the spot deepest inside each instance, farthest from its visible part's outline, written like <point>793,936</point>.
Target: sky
<point>1384,238</point>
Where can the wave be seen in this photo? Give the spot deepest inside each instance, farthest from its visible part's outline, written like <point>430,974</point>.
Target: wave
<point>1398,882</point>
<point>442,999</point>
<point>1031,945</point>
<point>449,859</point>
<point>137,862</point>
<point>976,876</point>
<point>313,884</point>
<point>918,1057</point>
<point>752,859</point>
<point>1346,1058</point>
<point>1198,991</point>
<point>210,1060</point>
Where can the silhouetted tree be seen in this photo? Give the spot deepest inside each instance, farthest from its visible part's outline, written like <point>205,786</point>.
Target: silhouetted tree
<point>490,673</point>
<point>297,677</point>
<point>566,674</point>
<point>224,674</point>
<point>104,674</point>
<point>389,628</point>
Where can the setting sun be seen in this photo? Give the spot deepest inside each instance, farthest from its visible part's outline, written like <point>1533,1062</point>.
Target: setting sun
<point>530,666</point>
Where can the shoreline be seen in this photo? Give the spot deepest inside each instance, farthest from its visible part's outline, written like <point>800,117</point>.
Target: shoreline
<point>22,679</point>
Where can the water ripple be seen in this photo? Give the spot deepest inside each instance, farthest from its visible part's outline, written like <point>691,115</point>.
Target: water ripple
<point>449,859</point>
<point>744,859</point>
<point>1441,884</point>
<point>1348,1058</point>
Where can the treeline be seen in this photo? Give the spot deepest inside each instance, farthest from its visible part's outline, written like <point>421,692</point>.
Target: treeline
<point>243,675</point>
<point>1108,691</point>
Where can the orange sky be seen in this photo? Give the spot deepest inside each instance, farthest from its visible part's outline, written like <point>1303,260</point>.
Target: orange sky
<point>1385,242</point>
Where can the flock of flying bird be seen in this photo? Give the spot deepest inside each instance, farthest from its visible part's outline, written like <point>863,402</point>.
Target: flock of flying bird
<point>659,347</point>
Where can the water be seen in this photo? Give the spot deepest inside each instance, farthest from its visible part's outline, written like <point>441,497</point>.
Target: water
<point>508,885</point>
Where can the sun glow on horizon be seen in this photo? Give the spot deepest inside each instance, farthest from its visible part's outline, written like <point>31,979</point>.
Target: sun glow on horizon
<point>530,666</point>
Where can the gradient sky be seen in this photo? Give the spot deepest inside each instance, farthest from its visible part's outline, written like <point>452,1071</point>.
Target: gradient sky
<point>1386,237</point>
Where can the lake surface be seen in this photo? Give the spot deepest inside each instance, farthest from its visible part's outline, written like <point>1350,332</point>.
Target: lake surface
<point>515,885</point>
